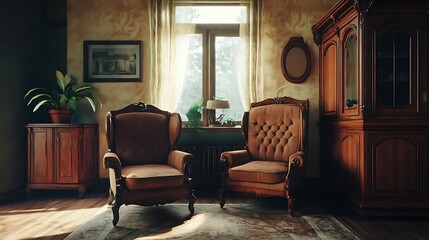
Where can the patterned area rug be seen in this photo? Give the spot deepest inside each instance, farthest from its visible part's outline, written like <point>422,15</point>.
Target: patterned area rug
<point>234,221</point>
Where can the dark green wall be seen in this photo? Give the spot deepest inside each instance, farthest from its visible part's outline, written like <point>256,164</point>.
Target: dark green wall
<point>25,47</point>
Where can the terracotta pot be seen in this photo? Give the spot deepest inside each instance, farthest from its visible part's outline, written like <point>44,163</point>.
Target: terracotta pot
<point>60,116</point>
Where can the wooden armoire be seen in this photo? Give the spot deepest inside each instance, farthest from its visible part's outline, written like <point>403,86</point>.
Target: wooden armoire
<point>374,122</point>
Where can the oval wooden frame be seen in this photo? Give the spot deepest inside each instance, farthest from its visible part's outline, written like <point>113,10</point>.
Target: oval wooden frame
<point>293,43</point>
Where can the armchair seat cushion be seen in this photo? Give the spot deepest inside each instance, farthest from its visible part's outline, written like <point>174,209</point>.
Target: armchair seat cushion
<point>260,171</point>
<point>150,176</point>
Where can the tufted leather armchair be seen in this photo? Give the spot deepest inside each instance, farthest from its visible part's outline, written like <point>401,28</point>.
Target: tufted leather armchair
<point>272,163</point>
<point>143,167</point>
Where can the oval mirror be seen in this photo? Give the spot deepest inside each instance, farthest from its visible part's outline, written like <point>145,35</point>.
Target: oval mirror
<point>296,60</point>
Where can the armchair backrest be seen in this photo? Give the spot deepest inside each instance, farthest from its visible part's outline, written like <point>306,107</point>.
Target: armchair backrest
<point>141,133</point>
<point>276,128</point>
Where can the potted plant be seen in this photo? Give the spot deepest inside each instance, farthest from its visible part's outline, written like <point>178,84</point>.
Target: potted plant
<point>194,114</point>
<point>63,101</point>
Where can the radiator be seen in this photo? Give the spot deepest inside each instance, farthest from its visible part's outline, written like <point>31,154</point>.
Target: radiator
<point>207,159</point>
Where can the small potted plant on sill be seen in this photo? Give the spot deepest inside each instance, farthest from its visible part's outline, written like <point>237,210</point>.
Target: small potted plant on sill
<point>62,102</point>
<point>194,115</point>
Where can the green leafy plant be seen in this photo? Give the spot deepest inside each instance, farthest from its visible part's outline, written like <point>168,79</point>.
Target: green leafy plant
<point>65,97</point>
<point>228,121</point>
<point>194,114</point>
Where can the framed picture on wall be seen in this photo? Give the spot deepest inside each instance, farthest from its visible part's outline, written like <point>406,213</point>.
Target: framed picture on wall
<point>112,61</point>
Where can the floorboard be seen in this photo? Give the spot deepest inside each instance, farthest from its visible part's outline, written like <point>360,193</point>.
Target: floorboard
<point>50,214</point>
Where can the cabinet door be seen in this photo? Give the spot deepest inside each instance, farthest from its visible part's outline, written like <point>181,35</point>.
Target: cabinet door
<point>67,154</point>
<point>88,164</point>
<point>399,55</point>
<point>349,155</point>
<point>399,165</point>
<point>40,164</point>
<point>328,83</point>
<point>350,70</point>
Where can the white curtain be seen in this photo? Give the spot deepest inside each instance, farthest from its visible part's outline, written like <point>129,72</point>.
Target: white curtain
<point>160,28</point>
<point>169,53</point>
<point>250,75</point>
<point>168,60</point>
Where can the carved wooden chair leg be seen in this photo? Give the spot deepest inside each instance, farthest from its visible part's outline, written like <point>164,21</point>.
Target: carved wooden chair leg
<point>192,200</point>
<point>289,198</point>
<point>115,209</point>
<point>221,197</point>
<point>290,205</point>
<point>111,197</point>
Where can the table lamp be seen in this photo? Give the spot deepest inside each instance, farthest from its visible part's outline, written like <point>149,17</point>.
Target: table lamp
<point>217,104</point>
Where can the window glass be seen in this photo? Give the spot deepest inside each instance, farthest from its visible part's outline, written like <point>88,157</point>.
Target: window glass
<point>351,72</point>
<point>211,14</point>
<point>226,84</point>
<point>211,59</point>
<point>393,68</point>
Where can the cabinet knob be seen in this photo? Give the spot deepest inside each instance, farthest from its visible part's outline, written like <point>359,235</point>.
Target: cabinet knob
<point>362,108</point>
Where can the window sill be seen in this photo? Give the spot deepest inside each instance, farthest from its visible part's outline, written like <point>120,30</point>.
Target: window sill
<point>236,128</point>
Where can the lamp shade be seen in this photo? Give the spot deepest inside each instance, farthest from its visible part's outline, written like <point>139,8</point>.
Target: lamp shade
<point>217,104</point>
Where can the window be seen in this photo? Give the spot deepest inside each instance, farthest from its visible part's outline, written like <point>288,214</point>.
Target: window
<point>210,36</point>
<point>203,51</point>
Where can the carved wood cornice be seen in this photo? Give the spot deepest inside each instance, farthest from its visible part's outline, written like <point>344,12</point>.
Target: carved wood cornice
<point>362,6</point>
<point>337,12</point>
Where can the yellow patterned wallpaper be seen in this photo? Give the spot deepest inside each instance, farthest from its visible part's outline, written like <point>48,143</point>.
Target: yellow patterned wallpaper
<point>283,19</point>
<point>128,20</point>
<point>108,20</point>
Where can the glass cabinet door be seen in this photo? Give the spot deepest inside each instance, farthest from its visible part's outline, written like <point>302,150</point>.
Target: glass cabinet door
<point>393,80</point>
<point>350,71</point>
<point>397,84</point>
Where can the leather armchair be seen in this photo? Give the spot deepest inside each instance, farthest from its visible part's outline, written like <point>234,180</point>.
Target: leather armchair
<point>273,162</point>
<point>144,168</point>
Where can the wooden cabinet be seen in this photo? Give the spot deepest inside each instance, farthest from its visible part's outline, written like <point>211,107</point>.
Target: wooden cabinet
<point>62,156</point>
<point>374,119</point>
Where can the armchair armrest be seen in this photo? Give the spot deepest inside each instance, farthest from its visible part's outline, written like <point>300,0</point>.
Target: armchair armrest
<point>111,160</point>
<point>231,159</point>
<point>183,161</point>
<point>234,158</point>
<point>295,160</point>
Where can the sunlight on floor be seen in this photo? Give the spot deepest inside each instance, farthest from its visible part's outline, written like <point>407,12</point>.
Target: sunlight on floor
<point>187,227</point>
<point>52,220</point>
<point>12,212</point>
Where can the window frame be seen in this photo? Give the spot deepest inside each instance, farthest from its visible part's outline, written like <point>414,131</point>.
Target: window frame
<point>210,32</point>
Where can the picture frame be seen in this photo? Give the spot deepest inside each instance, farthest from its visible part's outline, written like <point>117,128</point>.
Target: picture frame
<point>112,61</point>
<point>296,60</point>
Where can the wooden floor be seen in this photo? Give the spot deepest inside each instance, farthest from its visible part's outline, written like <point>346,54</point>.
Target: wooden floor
<point>389,228</point>
<point>55,214</point>
<point>48,214</point>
